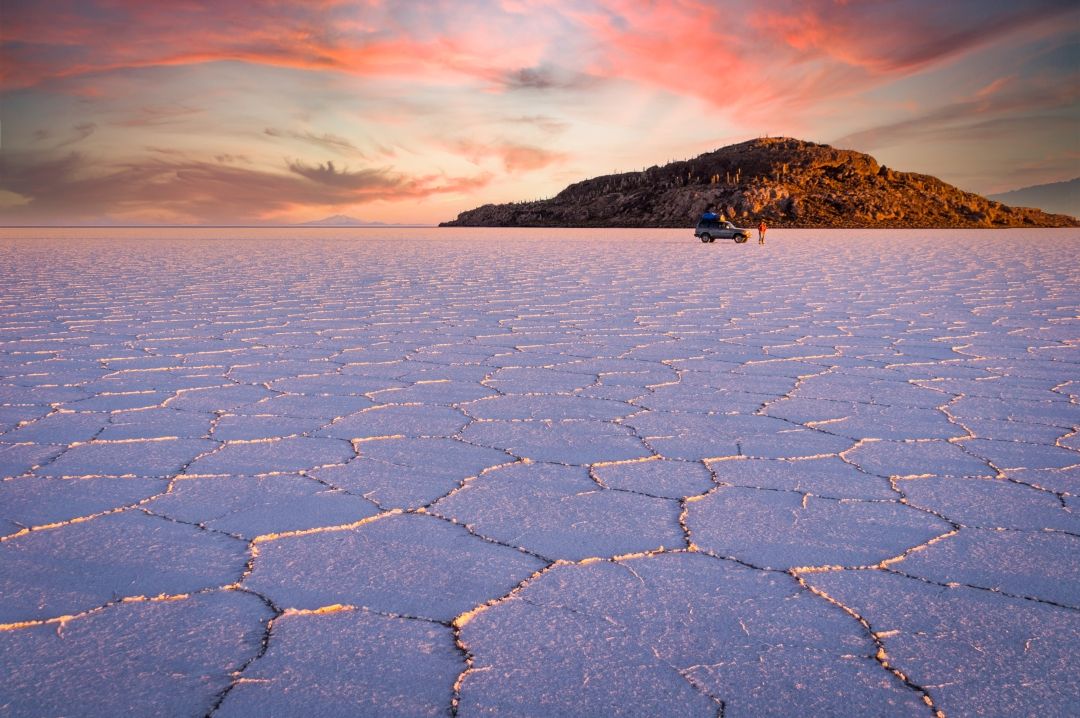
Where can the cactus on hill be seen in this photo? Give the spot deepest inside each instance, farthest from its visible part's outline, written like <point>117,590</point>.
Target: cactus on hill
<point>786,182</point>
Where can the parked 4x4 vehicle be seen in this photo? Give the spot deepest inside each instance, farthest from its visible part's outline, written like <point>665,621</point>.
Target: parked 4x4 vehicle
<point>709,230</point>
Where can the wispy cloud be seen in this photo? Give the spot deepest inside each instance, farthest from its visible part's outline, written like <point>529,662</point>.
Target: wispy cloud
<point>544,123</point>
<point>895,37</point>
<point>72,39</point>
<point>325,140</point>
<point>358,181</point>
<point>73,188</point>
<point>994,110</point>
<point>513,157</point>
<point>545,77</point>
<point>157,115</point>
<point>189,110</point>
<point>79,133</point>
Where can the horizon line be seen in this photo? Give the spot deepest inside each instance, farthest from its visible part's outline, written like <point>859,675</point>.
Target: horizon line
<point>210,226</point>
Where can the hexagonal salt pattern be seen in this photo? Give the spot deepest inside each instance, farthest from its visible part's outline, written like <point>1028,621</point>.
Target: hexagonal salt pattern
<point>83,564</point>
<point>538,472</point>
<point>678,634</point>
<point>411,564</point>
<point>973,651</point>
<point>349,662</point>
<point>159,656</point>
<point>783,529</point>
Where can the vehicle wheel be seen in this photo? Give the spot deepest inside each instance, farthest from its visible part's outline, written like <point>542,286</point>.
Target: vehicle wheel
<point>706,238</point>
<point>741,239</point>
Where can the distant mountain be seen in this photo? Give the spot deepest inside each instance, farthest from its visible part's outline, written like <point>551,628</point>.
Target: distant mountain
<point>786,182</point>
<point>1061,197</point>
<point>341,220</point>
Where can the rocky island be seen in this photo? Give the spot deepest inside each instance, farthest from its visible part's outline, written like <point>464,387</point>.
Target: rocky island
<point>787,182</point>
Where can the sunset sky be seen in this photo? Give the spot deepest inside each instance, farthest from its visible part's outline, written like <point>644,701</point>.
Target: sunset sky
<point>134,111</point>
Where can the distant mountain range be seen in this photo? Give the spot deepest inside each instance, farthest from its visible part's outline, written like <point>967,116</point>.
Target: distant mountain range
<point>341,220</point>
<point>1061,197</point>
<point>786,182</point>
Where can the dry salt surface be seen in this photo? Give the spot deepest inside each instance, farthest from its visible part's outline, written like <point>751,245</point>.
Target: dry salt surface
<point>539,473</point>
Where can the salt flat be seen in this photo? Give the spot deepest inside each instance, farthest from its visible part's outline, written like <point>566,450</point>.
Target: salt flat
<point>534,472</point>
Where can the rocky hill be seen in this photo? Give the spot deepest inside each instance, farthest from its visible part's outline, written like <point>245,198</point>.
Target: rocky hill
<point>786,182</point>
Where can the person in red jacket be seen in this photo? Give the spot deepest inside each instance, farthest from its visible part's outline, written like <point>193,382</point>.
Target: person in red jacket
<point>761,232</point>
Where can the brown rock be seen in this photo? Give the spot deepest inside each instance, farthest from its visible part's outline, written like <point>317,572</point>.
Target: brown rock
<point>787,182</point>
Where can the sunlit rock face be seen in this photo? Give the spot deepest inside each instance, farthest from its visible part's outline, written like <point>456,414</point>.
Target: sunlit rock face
<point>784,181</point>
<point>519,472</point>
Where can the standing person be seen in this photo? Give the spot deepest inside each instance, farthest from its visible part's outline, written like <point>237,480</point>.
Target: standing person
<point>761,228</point>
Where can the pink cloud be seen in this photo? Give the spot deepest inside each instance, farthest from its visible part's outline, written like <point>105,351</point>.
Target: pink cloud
<point>894,38</point>
<point>791,54</point>
<point>533,84</point>
<point>996,110</point>
<point>64,39</point>
<point>178,189</point>
<point>514,157</point>
<point>995,87</point>
<point>786,52</point>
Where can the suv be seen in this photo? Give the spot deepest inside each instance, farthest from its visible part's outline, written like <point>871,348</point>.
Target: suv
<point>708,230</point>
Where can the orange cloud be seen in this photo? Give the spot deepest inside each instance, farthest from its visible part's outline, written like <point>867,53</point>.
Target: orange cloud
<point>64,40</point>
<point>72,188</point>
<point>738,52</point>
<point>514,157</point>
<point>751,58</point>
<point>894,38</point>
<point>536,86</point>
<point>700,50</point>
<point>995,111</point>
